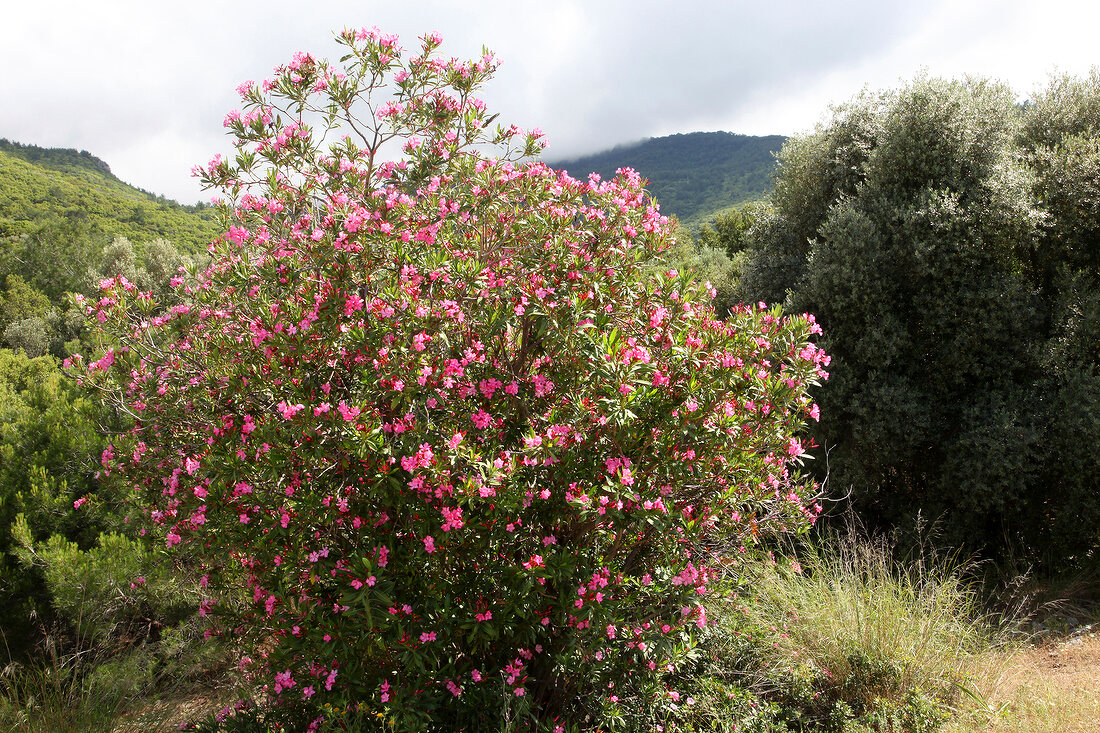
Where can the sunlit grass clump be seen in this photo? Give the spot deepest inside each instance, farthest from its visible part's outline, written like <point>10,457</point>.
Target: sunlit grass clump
<point>61,694</point>
<point>852,638</point>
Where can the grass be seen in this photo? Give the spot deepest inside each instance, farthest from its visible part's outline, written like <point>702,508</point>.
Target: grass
<point>67,695</point>
<point>852,638</point>
<point>147,687</point>
<point>62,693</point>
<point>1048,688</point>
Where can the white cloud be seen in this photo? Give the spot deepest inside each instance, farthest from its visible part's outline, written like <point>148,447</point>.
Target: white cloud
<point>144,85</point>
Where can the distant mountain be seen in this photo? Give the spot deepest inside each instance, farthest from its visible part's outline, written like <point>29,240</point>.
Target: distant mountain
<point>48,187</point>
<point>693,176</point>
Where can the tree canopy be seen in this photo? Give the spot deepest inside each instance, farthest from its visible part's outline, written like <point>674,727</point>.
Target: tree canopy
<point>946,238</point>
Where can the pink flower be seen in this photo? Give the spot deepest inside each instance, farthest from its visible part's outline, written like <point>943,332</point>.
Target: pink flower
<point>481,419</point>
<point>104,363</point>
<point>288,411</point>
<point>429,544</point>
<point>283,681</point>
<point>79,502</point>
<point>657,317</point>
<point>349,413</point>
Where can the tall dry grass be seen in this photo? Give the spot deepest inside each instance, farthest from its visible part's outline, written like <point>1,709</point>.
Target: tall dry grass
<point>851,636</point>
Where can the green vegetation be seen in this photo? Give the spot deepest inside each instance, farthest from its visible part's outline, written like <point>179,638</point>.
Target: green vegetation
<point>65,223</point>
<point>947,241</point>
<point>852,636</point>
<point>694,176</point>
<point>48,439</point>
<point>47,193</point>
<point>91,618</point>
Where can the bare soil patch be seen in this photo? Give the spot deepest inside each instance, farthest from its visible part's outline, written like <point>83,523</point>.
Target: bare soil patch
<point>1049,687</point>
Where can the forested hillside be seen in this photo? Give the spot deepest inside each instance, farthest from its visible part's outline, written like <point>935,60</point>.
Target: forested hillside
<point>65,222</point>
<point>75,192</point>
<point>693,176</point>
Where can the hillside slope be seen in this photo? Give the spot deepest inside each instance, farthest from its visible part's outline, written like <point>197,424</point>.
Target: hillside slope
<point>694,175</point>
<point>50,187</point>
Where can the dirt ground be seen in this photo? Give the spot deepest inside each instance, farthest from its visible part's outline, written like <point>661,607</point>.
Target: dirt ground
<point>1049,687</point>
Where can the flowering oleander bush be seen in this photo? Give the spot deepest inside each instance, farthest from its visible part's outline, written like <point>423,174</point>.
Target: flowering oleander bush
<point>474,457</point>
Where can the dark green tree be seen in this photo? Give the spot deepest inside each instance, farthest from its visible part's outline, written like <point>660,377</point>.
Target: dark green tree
<point>946,240</point>
<point>1060,138</point>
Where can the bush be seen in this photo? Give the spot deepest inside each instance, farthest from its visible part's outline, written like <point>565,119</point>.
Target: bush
<point>117,590</point>
<point>48,437</point>
<point>946,240</point>
<point>473,458</point>
<point>849,636</point>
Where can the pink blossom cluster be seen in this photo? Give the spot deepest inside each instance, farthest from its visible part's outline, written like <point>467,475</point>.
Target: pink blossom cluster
<point>443,406</point>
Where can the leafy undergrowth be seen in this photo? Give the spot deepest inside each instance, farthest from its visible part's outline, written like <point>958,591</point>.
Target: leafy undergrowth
<point>851,640</point>
<point>150,687</point>
<point>1051,687</point>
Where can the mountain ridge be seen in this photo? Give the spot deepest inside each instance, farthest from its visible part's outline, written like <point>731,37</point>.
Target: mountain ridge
<point>60,159</point>
<point>694,175</point>
<point>50,187</point>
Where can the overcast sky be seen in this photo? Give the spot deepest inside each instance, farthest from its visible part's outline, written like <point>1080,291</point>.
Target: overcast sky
<point>144,85</point>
